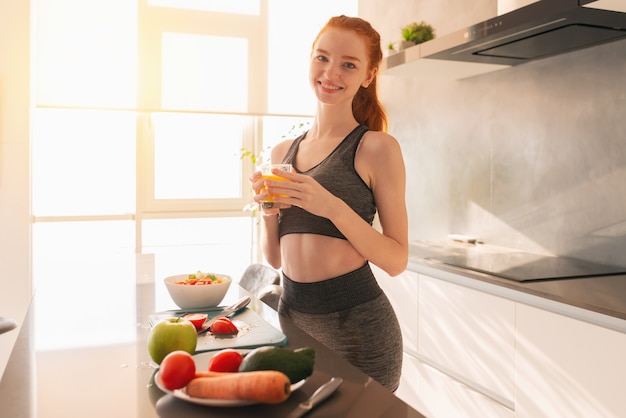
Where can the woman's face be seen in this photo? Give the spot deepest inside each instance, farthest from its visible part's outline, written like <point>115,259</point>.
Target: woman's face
<point>339,66</point>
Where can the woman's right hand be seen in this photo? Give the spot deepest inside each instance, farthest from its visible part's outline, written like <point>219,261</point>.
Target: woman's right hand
<point>257,183</point>
<point>260,194</point>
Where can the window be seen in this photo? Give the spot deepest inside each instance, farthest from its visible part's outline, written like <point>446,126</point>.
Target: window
<point>86,53</point>
<point>251,7</point>
<point>202,72</point>
<point>83,162</point>
<point>194,162</point>
<point>142,112</point>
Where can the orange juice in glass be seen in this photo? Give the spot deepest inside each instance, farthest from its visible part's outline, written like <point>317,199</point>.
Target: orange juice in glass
<point>266,173</point>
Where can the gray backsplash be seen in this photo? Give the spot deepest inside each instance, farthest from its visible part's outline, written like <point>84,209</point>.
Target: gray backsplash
<point>531,157</point>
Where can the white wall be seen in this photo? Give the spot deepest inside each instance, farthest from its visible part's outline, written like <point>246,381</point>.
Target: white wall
<point>15,270</point>
<point>531,157</point>
<point>446,16</point>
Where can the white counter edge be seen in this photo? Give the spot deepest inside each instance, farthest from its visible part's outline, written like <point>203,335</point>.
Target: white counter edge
<point>574,312</point>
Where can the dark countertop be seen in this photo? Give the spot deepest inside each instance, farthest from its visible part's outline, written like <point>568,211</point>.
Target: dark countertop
<point>601,294</point>
<point>116,379</point>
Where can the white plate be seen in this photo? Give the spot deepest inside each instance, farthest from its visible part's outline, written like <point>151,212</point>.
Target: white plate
<point>202,363</point>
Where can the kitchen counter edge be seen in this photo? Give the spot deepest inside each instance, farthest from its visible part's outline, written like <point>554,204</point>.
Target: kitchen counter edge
<point>579,298</point>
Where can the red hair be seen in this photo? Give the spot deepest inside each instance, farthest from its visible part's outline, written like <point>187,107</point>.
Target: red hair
<point>366,107</point>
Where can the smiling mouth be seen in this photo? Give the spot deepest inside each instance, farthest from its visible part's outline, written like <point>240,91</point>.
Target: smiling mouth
<point>329,86</point>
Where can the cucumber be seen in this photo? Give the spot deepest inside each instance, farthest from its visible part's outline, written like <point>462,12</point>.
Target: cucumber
<point>297,364</point>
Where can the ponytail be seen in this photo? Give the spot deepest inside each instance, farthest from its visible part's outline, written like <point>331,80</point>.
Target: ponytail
<point>368,110</point>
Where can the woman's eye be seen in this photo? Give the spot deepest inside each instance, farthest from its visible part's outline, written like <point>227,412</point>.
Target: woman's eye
<point>349,65</point>
<point>322,58</point>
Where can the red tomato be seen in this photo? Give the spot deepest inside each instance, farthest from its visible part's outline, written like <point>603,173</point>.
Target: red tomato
<point>177,369</point>
<point>197,319</point>
<point>225,361</point>
<point>223,326</point>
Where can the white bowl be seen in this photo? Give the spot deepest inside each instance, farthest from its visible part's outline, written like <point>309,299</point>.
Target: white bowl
<point>198,296</point>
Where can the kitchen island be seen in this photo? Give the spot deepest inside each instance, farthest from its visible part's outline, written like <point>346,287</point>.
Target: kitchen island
<point>117,379</point>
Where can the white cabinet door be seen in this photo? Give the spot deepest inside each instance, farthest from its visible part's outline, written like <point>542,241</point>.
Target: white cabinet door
<point>469,335</point>
<point>409,383</point>
<point>402,293</point>
<point>439,396</point>
<point>568,368</point>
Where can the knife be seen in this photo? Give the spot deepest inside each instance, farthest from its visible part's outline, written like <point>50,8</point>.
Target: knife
<point>235,307</point>
<point>319,396</point>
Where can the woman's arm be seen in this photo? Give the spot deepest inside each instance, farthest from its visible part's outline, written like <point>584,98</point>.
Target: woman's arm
<point>379,162</point>
<point>270,242</point>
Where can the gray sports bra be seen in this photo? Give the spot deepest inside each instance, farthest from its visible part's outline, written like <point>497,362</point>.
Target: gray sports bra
<point>338,175</point>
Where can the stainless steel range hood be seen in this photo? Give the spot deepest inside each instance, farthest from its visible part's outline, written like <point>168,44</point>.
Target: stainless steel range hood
<point>538,30</point>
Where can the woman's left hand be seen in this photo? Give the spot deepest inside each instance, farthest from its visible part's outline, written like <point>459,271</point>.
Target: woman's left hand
<point>303,191</point>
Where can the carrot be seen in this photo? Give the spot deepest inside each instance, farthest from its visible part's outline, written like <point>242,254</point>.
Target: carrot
<point>204,373</point>
<point>266,386</point>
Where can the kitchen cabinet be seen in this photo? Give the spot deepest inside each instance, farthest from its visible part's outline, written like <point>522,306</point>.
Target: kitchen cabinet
<point>487,350</point>
<point>469,333</point>
<point>409,390</point>
<point>444,324</point>
<point>441,397</point>
<point>567,367</point>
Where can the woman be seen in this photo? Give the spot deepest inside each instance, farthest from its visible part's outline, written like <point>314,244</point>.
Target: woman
<point>345,169</point>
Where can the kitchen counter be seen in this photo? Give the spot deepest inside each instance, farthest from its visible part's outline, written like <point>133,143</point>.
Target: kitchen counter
<point>605,295</point>
<point>114,379</point>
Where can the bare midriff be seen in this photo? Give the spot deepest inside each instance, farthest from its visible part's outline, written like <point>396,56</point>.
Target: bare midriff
<point>311,258</point>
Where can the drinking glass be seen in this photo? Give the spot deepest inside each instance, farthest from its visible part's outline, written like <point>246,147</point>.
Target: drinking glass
<point>266,173</point>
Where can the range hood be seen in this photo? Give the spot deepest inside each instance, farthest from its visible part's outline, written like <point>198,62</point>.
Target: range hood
<point>541,29</point>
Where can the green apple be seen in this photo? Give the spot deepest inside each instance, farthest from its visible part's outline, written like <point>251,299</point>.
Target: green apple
<point>171,334</point>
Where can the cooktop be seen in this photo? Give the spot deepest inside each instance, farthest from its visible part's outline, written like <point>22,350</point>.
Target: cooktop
<point>523,266</point>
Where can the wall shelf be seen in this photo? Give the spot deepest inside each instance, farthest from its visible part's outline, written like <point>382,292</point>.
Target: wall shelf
<point>414,62</point>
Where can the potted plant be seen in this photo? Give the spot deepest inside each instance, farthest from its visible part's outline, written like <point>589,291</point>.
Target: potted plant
<point>416,33</point>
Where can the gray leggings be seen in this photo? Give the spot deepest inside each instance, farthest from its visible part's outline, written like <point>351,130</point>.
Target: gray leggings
<point>352,316</point>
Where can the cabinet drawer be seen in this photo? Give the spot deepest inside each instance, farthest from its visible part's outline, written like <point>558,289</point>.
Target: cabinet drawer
<point>469,335</point>
<point>440,396</point>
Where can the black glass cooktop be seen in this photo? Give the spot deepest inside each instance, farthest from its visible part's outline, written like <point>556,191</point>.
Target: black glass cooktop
<point>522,266</point>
